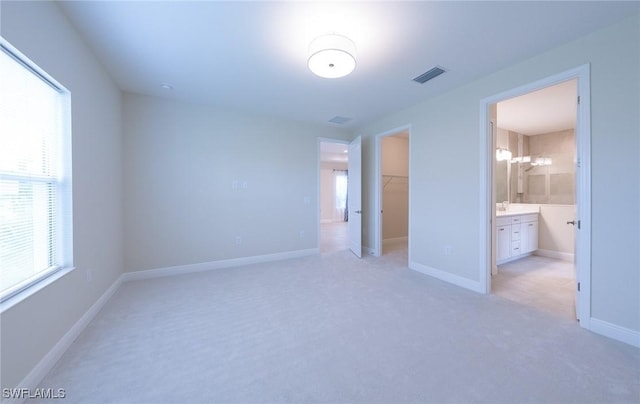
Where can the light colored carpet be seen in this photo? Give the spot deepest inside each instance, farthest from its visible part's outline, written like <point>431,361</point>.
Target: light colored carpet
<point>332,328</point>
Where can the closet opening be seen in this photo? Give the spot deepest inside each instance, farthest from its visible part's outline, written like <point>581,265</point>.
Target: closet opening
<point>392,196</point>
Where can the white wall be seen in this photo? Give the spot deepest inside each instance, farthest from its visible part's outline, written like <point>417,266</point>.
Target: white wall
<point>555,237</point>
<point>395,192</point>
<point>554,234</point>
<point>445,156</point>
<point>32,327</point>
<point>181,161</point>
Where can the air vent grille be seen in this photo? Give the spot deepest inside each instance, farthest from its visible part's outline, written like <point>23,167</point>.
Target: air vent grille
<point>340,120</point>
<point>431,74</point>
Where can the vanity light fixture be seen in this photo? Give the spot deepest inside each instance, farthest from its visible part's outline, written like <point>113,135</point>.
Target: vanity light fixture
<point>332,56</point>
<point>536,161</point>
<point>542,161</point>
<point>523,159</point>
<point>503,154</point>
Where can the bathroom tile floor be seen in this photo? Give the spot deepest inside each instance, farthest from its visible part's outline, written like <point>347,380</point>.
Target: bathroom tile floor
<point>541,282</point>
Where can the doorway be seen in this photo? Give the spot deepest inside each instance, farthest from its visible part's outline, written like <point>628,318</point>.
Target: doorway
<point>334,159</point>
<point>392,196</point>
<point>534,187</point>
<point>521,242</point>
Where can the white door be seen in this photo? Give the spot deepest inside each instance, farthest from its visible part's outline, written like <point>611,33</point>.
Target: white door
<point>576,297</point>
<point>576,221</point>
<point>576,274</point>
<point>354,195</point>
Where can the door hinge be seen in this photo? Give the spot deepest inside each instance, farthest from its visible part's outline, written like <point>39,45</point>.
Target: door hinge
<point>578,286</point>
<point>578,224</point>
<point>578,100</point>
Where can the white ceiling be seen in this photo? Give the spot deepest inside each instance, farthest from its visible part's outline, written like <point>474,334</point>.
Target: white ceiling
<point>550,109</point>
<point>334,152</point>
<point>252,55</point>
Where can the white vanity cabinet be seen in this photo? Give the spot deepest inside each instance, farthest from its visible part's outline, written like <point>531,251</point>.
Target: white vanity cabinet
<point>516,236</point>
<point>529,233</point>
<point>503,242</point>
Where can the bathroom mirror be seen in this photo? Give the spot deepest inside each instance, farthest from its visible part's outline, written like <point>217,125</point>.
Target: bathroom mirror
<point>536,169</point>
<point>502,181</point>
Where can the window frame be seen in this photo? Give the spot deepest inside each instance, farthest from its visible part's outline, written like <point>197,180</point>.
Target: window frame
<point>63,237</point>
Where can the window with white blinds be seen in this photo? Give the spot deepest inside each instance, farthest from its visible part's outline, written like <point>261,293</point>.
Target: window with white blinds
<point>35,183</point>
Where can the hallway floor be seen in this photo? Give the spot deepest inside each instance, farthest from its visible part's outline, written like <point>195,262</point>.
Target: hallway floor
<point>334,237</point>
<point>540,282</point>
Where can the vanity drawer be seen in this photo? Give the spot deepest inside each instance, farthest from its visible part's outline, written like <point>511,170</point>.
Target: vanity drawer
<point>529,218</point>
<point>516,219</point>
<point>515,248</point>
<point>515,232</point>
<point>503,221</point>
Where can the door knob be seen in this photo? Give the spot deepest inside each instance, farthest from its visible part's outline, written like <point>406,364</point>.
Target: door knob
<point>358,211</point>
<point>573,222</point>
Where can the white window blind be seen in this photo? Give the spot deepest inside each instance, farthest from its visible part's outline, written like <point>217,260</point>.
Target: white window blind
<point>34,177</point>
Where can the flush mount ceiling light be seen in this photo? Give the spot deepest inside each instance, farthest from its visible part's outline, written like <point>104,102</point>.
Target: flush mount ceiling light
<point>332,56</point>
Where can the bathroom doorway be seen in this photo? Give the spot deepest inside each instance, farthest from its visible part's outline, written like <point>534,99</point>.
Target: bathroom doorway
<point>538,194</point>
<point>535,196</point>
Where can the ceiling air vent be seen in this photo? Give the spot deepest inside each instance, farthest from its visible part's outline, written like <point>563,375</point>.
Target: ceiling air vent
<point>431,74</point>
<point>340,120</point>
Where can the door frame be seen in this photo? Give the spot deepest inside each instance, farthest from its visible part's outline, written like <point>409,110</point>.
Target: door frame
<point>583,194</point>
<point>377,190</point>
<point>318,183</point>
<point>354,197</point>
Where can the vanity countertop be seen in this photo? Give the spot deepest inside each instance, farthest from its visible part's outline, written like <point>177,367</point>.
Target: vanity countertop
<point>501,213</point>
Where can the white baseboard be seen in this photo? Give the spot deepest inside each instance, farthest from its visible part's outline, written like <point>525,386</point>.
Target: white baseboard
<point>395,240</point>
<point>616,332</point>
<point>47,363</point>
<point>325,221</point>
<point>555,254</point>
<point>208,266</point>
<point>447,277</point>
<point>510,259</point>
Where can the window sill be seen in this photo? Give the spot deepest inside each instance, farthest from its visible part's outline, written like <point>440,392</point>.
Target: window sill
<point>33,289</point>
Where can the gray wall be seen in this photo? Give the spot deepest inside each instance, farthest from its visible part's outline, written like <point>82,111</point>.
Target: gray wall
<point>445,133</point>
<point>32,327</point>
<point>181,162</point>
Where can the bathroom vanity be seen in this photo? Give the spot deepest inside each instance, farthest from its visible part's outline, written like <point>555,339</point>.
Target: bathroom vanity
<point>516,235</point>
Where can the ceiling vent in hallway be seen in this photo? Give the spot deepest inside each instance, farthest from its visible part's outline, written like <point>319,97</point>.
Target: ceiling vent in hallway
<point>340,120</point>
<point>431,74</point>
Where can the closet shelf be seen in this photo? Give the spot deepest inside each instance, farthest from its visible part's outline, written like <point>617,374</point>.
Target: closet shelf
<point>396,179</point>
